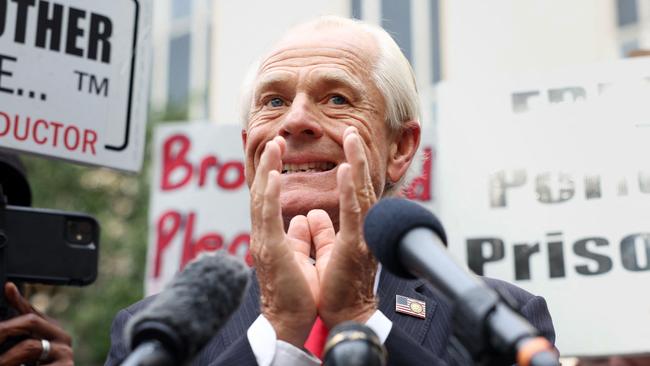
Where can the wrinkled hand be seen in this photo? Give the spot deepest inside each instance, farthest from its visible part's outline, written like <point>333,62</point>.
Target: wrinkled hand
<point>346,268</point>
<point>35,326</point>
<point>341,282</point>
<point>284,270</point>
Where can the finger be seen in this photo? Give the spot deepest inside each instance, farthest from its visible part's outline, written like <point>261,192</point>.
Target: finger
<point>32,325</point>
<point>270,160</point>
<point>349,130</point>
<point>25,352</point>
<point>321,229</point>
<point>360,175</point>
<point>30,350</point>
<point>299,230</point>
<point>16,300</point>
<point>281,143</point>
<point>349,209</point>
<point>271,211</point>
<point>60,354</point>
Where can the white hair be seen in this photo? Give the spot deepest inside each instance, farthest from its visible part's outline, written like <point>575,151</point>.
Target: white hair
<point>392,74</point>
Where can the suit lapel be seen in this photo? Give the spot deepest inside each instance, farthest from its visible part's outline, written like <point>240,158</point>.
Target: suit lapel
<point>389,286</point>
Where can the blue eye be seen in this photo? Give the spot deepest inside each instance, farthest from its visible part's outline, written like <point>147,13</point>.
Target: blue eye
<point>275,102</point>
<point>338,100</point>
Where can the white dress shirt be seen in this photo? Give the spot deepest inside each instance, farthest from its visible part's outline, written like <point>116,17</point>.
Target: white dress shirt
<point>269,351</point>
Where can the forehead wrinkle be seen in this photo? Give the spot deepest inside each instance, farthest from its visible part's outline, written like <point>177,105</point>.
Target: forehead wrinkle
<point>318,75</point>
<point>347,71</point>
<point>315,55</point>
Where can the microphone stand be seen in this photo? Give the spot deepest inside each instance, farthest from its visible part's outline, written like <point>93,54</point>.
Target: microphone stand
<point>472,344</point>
<point>149,354</point>
<point>489,331</point>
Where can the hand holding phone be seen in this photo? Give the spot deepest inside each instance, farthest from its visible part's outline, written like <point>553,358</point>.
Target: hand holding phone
<point>36,338</point>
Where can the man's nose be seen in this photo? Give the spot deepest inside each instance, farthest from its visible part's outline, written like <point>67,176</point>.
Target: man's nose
<point>301,121</point>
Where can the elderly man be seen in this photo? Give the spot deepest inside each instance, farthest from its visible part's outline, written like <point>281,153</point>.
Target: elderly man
<point>331,126</point>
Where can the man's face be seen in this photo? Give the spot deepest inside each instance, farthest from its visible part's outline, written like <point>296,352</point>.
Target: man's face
<point>313,86</point>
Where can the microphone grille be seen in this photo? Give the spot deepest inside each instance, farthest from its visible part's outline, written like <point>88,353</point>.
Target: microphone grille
<point>388,221</point>
<point>195,304</point>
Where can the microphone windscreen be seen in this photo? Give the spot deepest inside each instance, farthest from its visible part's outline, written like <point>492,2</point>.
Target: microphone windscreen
<point>388,221</point>
<point>195,304</point>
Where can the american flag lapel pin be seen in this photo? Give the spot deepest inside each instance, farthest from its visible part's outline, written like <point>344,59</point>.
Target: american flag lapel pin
<point>409,306</point>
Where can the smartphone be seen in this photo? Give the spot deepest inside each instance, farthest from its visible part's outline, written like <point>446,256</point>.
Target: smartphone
<point>50,246</point>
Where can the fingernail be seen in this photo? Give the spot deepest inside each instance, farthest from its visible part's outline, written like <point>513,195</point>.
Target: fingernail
<point>270,144</point>
<point>281,143</point>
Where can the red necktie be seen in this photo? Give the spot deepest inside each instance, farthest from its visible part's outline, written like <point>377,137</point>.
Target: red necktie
<point>316,340</point>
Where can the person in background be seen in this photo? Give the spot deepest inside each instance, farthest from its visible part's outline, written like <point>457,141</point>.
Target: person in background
<point>40,340</point>
<point>26,335</point>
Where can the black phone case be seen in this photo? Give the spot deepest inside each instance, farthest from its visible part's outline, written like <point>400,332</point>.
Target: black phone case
<point>37,249</point>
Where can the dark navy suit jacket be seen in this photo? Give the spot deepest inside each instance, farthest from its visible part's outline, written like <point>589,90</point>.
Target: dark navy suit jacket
<point>411,341</point>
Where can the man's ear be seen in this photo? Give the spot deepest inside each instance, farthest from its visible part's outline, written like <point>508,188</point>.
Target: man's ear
<point>244,137</point>
<point>402,149</point>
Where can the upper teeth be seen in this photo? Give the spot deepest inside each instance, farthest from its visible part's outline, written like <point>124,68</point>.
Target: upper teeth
<point>307,167</point>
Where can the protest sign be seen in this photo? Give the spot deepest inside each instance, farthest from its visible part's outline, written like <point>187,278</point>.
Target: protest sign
<point>545,183</point>
<point>74,78</point>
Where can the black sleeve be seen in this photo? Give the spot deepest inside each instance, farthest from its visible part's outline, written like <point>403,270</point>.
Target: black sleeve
<point>532,307</point>
<point>537,314</point>
<point>118,350</point>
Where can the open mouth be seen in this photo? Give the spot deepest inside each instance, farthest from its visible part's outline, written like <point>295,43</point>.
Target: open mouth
<point>313,167</point>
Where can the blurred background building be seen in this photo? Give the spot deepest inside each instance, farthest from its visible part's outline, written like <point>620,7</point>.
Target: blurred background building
<point>203,47</point>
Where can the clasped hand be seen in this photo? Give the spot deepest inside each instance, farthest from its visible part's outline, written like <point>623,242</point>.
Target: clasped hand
<point>338,286</point>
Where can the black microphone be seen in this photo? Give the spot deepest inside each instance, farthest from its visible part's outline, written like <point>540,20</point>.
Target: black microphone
<point>353,344</point>
<point>188,313</point>
<point>410,242</point>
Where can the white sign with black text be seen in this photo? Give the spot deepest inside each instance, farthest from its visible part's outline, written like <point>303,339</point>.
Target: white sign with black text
<point>73,79</point>
<point>545,183</point>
